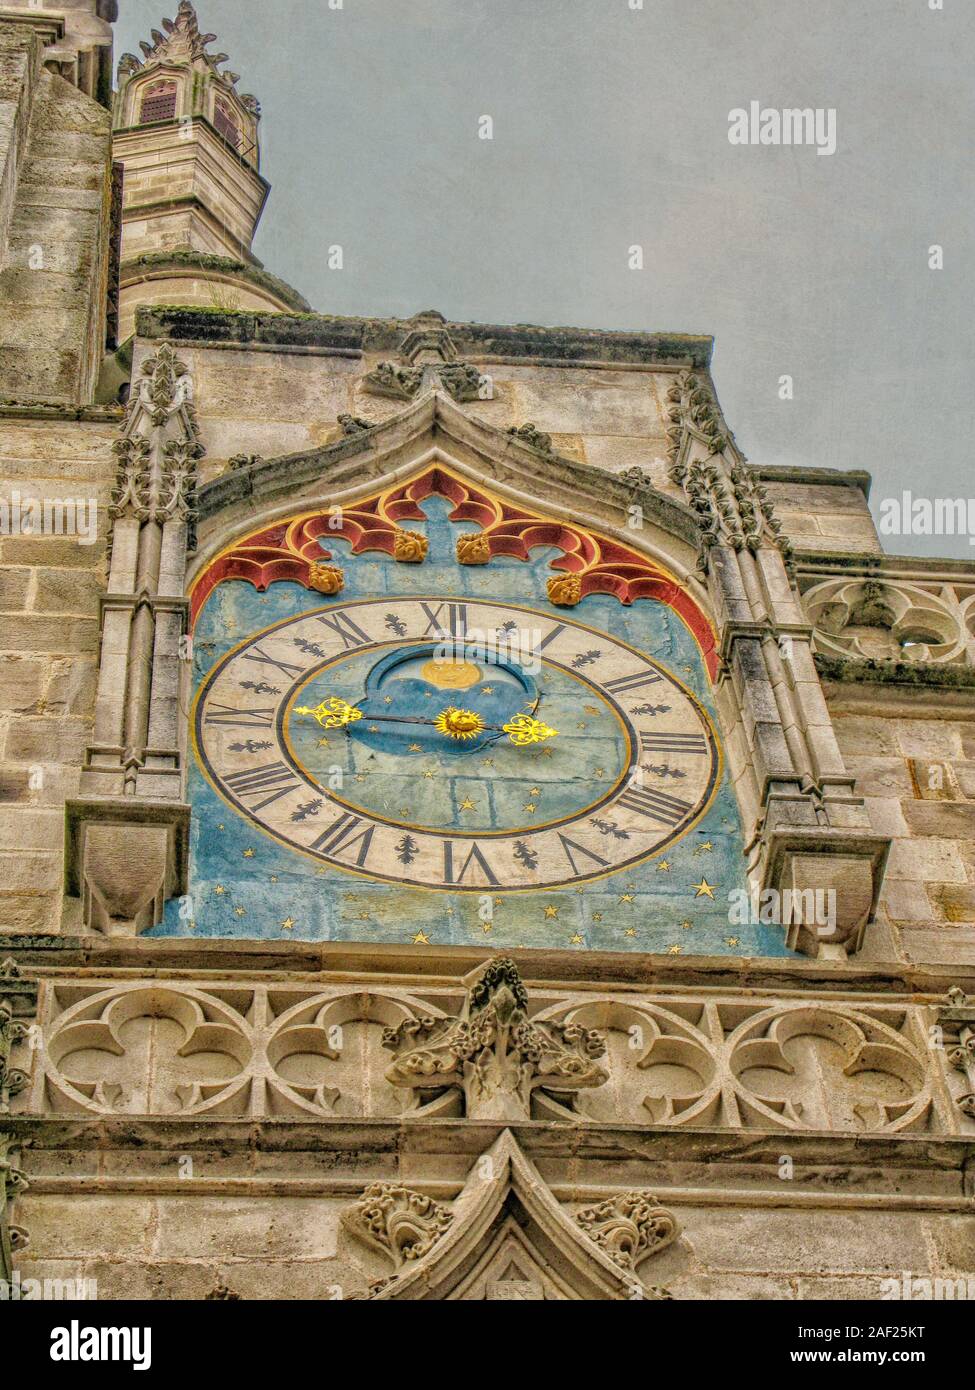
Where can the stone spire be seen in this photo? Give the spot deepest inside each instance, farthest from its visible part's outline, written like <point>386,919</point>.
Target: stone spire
<point>193,193</point>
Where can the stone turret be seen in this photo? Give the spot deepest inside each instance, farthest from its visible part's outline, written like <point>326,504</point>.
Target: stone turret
<point>189,142</point>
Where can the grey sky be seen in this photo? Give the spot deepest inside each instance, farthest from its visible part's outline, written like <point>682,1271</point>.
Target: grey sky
<point>610,129</point>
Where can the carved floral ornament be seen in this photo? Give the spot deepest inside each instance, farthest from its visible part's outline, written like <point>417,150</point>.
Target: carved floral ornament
<point>891,620</point>
<point>178,1049</point>
<point>589,563</point>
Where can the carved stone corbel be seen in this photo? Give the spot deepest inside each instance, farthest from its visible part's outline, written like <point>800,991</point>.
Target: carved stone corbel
<point>124,859</point>
<point>809,829</point>
<point>491,1051</point>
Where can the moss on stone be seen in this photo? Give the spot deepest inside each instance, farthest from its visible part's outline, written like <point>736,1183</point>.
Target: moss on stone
<point>252,272</point>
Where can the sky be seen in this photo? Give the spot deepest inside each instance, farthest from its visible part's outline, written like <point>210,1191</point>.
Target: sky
<point>610,131</point>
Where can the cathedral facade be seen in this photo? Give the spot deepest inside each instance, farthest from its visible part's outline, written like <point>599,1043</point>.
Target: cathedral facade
<point>467,833</point>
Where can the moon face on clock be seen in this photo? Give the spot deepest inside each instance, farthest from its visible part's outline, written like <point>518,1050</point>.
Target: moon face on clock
<point>433,781</point>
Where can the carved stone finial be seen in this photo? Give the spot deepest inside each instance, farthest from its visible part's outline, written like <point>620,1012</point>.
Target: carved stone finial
<point>491,1051</point>
<point>564,590</point>
<point>327,579</point>
<point>473,549</point>
<point>403,1224</point>
<point>410,547</point>
<point>10,970</point>
<point>630,1227</point>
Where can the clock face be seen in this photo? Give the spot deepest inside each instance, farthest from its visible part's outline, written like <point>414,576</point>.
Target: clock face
<point>455,745</point>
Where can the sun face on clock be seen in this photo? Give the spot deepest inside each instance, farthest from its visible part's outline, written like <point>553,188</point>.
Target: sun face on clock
<point>455,746</point>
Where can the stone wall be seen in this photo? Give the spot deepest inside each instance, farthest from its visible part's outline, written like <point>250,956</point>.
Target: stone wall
<point>50,586</point>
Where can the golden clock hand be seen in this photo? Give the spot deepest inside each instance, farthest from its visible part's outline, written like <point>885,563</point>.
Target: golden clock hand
<point>461,724</point>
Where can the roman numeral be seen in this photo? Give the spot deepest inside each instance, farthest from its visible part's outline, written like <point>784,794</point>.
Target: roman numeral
<point>343,626</point>
<point>259,655</point>
<point>227,717</point>
<point>342,835</point>
<point>672,743</point>
<point>456,620</point>
<point>622,683</point>
<point>474,856</point>
<point>556,631</point>
<point>276,779</point>
<point>660,806</point>
<point>569,845</point>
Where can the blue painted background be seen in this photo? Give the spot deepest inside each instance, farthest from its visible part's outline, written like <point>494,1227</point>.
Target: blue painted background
<point>244,884</point>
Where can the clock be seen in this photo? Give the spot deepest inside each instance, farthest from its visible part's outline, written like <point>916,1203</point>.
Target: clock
<point>455,745</point>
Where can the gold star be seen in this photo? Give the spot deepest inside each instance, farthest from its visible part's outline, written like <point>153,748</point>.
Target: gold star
<point>546,753</point>
<point>534,792</point>
<point>732,941</point>
<point>591,709</point>
<point>486,926</point>
<point>323,743</point>
<point>192,926</point>
<point>428,774</point>
<point>221,826</point>
<point>487,762</point>
<point>387,699</point>
<point>360,777</point>
<point>498,902</point>
<point>466,805</point>
<point>415,748</point>
<point>529,806</point>
<point>597,916</point>
<point>374,728</point>
<point>627,897</point>
<point>248,854</point>
<point>704,889</point>
<point>630,931</point>
<point>551,911</point>
<point>674,950</point>
<point>421,939</point>
<point>240,911</point>
<point>687,926</point>
<point>706,846</point>
<point>220,890</point>
<point>487,690</point>
<point>274,878</point>
<point>288,924</point>
<point>663,867</point>
<point>575,940</point>
<point>599,772</point>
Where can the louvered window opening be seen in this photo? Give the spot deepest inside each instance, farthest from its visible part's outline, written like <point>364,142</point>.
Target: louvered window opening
<point>226,125</point>
<point>159,104</point>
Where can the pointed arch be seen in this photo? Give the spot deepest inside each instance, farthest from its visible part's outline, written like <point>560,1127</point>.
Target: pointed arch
<point>290,544</point>
<point>506,1219</point>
